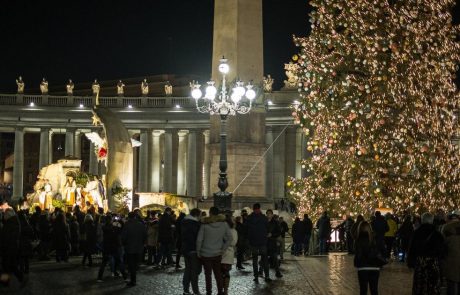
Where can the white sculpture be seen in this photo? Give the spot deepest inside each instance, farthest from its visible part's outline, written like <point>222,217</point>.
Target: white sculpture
<point>96,87</point>
<point>168,89</point>
<point>20,84</point>
<point>268,84</point>
<point>145,87</point>
<point>69,87</point>
<point>44,86</point>
<point>120,88</point>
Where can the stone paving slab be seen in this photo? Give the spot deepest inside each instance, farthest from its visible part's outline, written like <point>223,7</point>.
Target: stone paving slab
<point>333,274</point>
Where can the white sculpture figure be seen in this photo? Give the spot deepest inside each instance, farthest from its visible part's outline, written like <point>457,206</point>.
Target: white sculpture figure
<point>168,89</point>
<point>69,87</point>
<point>268,84</point>
<point>145,87</point>
<point>93,189</point>
<point>48,195</point>
<point>95,87</point>
<point>120,88</point>
<point>69,190</point>
<point>291,69</point>
<point>44,86</point>
<point>20,84</point>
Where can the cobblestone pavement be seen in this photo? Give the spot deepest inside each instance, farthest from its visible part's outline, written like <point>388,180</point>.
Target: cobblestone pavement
<point>333,274</point>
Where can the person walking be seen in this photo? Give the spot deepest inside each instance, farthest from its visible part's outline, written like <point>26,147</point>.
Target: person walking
<point>451,262</point>
<point>284,229</point>
<point>324,232</point>
<point>307,230</point>
<point>404,233</point>
<point>25,242</point>
<point>390,234</point>
<point>274,232</point>
<point>165,237</point>
<point>214,237</point>
<point>178,234</point>
<point>367,259</point>
<point>133,236</point>
<point>89,239</point>
<point>241,245</point>
<point>152,241</point>
<point>258,239</point>
<point>297,236</point>
<point>425,252</point>
<point>190,227</point>
<point>61,237</point>
<point>349,223</point>
<point>10,235</point>
<point>228,257</point>
<point>380,227</point>
<point>109,246</point>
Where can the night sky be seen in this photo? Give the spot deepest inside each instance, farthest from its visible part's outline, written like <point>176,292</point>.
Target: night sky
<point>87,39</point>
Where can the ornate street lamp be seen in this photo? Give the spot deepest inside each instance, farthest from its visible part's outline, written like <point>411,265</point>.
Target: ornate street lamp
<point>238,100</point>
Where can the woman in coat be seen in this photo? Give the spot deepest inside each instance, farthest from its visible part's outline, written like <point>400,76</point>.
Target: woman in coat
<point>367,259</point>
<point>425,252</point>
<point>229,255</point>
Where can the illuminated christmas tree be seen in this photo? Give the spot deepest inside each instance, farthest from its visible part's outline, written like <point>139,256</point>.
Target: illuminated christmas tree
<point>376,80</point>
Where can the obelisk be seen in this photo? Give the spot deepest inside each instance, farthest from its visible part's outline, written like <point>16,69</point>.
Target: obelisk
<point>238,35</point>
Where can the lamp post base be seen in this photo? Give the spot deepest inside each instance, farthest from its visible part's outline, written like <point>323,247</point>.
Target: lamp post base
<point>223,201</point>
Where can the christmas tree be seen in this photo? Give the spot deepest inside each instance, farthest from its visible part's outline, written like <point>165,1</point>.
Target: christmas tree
<point>378,99</point>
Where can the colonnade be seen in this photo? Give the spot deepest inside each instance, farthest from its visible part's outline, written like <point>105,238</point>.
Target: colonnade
<point>174,160</point>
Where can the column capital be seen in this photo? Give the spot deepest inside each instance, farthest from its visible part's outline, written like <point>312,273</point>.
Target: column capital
<point>19,128</point>
<point>183,133</point>
<point>70,129</point>
<point>157,132</point>
<point>45,129</point>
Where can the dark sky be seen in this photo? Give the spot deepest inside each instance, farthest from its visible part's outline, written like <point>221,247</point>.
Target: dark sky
<point>106,39</point>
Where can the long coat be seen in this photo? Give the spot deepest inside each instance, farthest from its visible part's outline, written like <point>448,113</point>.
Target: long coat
<point>451,263</point>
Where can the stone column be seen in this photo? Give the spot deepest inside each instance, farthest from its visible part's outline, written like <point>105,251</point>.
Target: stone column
<point>44,159</point>
<point>191,177</point>
<point>155,161</point>
<point>143,185</point>
<point>279,158</point>
<point>168,159</point>
<point>207,166</point>
<point>269,163</point>
<point>182,163</point>
<point>77,151</point>
<point>50,146</point>
<point>69,142</point>
<point>18,165</point>
<point>93,165</point>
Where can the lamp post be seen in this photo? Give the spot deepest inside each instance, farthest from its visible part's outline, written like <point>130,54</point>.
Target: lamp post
<point>225,102</point>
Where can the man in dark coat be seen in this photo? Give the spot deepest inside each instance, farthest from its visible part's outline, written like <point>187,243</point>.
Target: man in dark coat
<point>133,236</point>
<point>258,239</point>
<point>380,227</point>
<point>324,232</point>
<point>165,237</point>
<point>274,232</point>
<point>190,225</point>
<point>10,235</point>
<point>284,229</point>
<point>308,228</point>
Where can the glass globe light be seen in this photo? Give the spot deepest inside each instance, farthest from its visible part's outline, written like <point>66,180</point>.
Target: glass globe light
<point>224,68</point>
<point>235,97</point>
<point>196,93</point>
<point>250,93</point>
<point>239,89</point>
<point>211,91</point>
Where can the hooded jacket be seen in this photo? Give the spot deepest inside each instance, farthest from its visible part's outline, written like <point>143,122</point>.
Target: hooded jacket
<point>214,237</point>
<point>190,227</point>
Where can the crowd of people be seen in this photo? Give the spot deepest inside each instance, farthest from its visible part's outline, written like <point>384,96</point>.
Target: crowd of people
<point>205,242</point>
<point>211,242</point>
